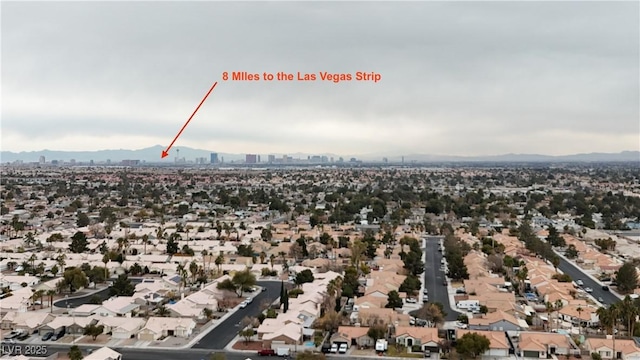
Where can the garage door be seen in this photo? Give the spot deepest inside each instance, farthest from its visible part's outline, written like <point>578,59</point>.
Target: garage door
<point>531,354</point>
<point>145,336</point>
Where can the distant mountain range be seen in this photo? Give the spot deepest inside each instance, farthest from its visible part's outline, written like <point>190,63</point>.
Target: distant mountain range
<point>152,155</point>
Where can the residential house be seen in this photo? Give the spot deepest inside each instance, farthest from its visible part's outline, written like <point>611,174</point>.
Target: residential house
<point>27,321</point>
<point>121,305</point>
<point>499,345</point>
<point>121,327</point>
<point>290,334</point>
<point>104,353</point>
<point>424,337</point>
<point>353,336</point>
<point>542,345</point>
<point>625,349</point>
<point>497,321</point>
<point>157,327</point>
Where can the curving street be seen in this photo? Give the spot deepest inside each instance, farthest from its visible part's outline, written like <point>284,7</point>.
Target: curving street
<point>225,331</point>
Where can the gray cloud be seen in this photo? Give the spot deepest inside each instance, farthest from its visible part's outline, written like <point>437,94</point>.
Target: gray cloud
<point>458,78</point>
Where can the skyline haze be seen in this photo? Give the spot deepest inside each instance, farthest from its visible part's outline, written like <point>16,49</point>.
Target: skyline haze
<point>461,79</point>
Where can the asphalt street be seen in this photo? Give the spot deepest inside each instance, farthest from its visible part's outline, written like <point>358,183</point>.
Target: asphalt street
<point>577,274</point>
<point>434,277</point>
<point>219,337</point>
<point>224,332</point>
<point>151,354</point>
<point>74,301</point>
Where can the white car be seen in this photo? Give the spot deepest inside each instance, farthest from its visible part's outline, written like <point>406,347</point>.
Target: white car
<point>579,282</point>
<point>334,348</point>
<point>243,305</point>
<point>589,290</point>
<point>248,300</point>
<point>412,301</point>
<point>343,348</point>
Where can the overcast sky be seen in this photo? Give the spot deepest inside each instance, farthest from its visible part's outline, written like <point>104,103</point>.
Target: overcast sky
<point>458,78</point>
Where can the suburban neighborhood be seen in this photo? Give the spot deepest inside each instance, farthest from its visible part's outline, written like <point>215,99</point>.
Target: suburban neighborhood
<point>441,263</point>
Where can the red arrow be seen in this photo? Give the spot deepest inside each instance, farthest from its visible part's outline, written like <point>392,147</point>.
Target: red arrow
<point>165,153</point>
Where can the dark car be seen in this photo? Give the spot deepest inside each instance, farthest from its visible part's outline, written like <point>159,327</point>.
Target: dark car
<point>47,336</point>
<point>58,335</point>
<point>605,288</point>
<point>24,336</point>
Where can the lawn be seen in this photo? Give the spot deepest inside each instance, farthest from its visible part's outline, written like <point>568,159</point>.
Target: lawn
<point>393,352</point>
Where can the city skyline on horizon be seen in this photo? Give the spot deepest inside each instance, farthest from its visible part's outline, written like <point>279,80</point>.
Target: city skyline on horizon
<point>503,78</point>
<point>181,154</point>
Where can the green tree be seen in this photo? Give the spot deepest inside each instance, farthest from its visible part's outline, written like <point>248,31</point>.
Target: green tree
<point>571,252</point>
<point>471,345</point>
<point>83,220</point>
<point>75,279</point>
<point>79,243</point>
<point>172,245</point>
<point>393,300</point>
<point>247,334</point>
<point>75,353</point>
<point>285,302</point>
<point>377,331</point>
<point>122,287</point>
<point>93,330</point>
<point>305,276</point>
<point>410,285</point>
<point>554,237</point>
<point>627,278</point>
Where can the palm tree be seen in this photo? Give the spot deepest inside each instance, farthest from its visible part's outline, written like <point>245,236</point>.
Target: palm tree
<point>628,313</point>
<point>272,259</point>
<point>557,306</point>
<point>609,321</point>
<point>145,241</point>
<point>219,261</point>
<point>579,310</point>
<point>38,295</point>
<point>549,310</point>
<point>263,256</point>
<point>204,259</point>
<point>50,294</point>
<point>105,260</point>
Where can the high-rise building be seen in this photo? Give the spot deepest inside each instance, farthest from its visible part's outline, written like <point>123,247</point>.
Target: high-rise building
<point>214,158</point>
<point>42,160</point>
<point>272,159</point>
<point>251,158</point>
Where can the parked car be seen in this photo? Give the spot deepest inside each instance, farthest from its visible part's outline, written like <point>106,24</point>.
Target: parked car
<point>343,348</point>
<point>588,289</point>
<point>248,300</point>
<point>266,352</point>
<point>605,288</point>
<point>243,305</point>
<point>600,300</point>
<point>425,291</point>
<point>444,282</point>
<point>47,336</point>
<point>411,301</point>
<point>579,282</point>
<point>334,348</point>
<point>427,353</point>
